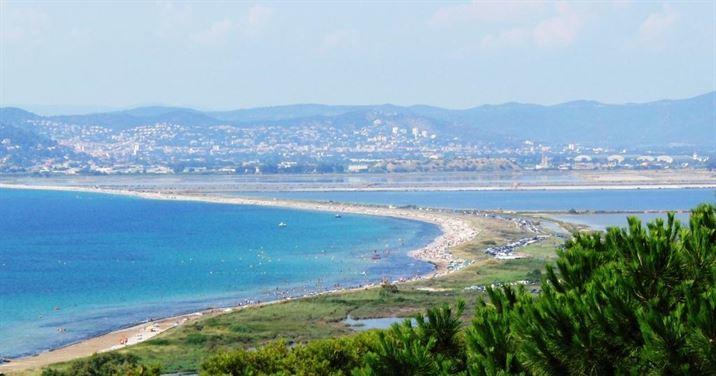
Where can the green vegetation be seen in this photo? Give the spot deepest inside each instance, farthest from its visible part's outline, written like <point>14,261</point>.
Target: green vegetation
<point>293,322</point>
<point>640,300</point>
<point>106,364</point>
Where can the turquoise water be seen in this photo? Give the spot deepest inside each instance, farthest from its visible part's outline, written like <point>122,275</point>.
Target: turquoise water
<point>525,200</point>
<point>92,263</point>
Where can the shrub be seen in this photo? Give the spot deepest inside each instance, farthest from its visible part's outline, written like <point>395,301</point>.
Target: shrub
<point>105,364</point>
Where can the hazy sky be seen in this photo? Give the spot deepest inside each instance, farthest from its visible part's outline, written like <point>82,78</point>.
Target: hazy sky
<point>222,55</point>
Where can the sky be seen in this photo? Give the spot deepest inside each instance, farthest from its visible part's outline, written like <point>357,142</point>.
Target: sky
<point>61,55</point>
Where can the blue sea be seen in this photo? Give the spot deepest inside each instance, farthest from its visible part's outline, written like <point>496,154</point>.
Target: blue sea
<point>522,200</point>
<point>91,263</point>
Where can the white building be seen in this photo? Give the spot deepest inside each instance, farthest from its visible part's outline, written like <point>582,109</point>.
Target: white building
<point>615,159</point>
<point>582,158</point>
<point>665,159</point>
<point>357,167</point>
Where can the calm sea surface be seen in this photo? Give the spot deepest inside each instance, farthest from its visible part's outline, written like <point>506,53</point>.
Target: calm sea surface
<point>526,200</point>
<point>90,263</point>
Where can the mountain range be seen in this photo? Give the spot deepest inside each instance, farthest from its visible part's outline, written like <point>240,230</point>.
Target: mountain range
<point>690,121</point>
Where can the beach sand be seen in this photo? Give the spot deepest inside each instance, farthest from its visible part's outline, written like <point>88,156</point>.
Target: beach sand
<point>454,232</point>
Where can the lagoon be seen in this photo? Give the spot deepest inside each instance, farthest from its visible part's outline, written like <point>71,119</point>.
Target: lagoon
<point>602,221</point>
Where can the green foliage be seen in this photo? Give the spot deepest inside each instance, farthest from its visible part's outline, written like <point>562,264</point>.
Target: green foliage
<point>432,346</point>
<point>535,275</point>
<point>386,290</point>
<point>443,326</point>
<point>626,302</point>
<point>490,345</point>
<point>105,364</point>
<point>266,360</point>
<point>321,357</point>
<point>400,351</point>
<point>638,300</point>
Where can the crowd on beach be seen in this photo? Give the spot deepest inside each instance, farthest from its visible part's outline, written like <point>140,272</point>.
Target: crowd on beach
<point>455,232</point>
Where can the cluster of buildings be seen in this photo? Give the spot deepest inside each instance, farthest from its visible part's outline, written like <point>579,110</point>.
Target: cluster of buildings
<point>380,145</point>
<point>575,157</point>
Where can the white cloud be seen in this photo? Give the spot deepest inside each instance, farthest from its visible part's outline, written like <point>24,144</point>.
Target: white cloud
<point>22,24</point>
<point>560,30</point>
<point>337,39</point>
<point>656,29</point>
<point>505,38</point>
<point>221,31</point>
<point>173,18</point>
<point>258,16</point>
<point>217,33</point>
<point>491,11</point>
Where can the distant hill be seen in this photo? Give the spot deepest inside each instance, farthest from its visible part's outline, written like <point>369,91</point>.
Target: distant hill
<point>283,112</point>
<point>22,147</point>
<point>689,121</point>
<point>14,115</point>
<point>118,120</point>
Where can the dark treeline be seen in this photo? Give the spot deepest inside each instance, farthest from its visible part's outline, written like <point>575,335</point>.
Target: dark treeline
<point>639,300</point>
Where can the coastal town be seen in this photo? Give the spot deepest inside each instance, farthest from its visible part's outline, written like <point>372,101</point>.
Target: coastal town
<point>374,142</point>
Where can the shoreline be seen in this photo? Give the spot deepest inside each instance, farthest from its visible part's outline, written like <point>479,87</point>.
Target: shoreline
<point>680,178</point>
<point>453,232</point>
<point>412,187</point>
<point>482,188</point>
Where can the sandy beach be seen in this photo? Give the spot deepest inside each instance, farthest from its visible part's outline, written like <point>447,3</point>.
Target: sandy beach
<point>454,232</point>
